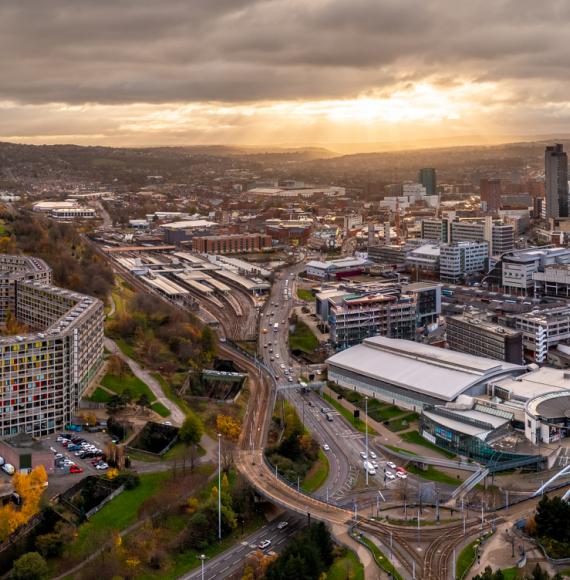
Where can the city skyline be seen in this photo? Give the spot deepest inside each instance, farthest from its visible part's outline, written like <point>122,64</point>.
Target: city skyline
<point>282,72</point>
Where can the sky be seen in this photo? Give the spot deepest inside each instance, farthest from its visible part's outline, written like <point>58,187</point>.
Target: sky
<point>291,72</point>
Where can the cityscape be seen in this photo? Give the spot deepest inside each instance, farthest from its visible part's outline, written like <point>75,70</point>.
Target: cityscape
<point>277,306</point>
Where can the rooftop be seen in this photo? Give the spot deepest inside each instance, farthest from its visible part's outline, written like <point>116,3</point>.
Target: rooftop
<point>420,367</point>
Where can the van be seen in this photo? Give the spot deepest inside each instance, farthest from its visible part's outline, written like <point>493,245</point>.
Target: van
<point>369,467</point>
<point>9,468</point>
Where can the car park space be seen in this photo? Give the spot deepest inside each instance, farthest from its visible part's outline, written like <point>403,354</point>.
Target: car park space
<point>75,453</point>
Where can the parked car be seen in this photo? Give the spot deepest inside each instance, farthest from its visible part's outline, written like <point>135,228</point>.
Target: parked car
<point>390,475</point>
<point>75,469</point>
<point>401,475</point>
<point>101,466</point>
<point>373,455</point>
<point>8,468</point>
<point>391,464</point>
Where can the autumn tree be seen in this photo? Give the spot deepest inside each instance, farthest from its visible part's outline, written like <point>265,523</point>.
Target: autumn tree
<point>190,434</point>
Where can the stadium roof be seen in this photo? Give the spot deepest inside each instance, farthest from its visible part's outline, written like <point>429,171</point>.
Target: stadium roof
<point>425,369</point>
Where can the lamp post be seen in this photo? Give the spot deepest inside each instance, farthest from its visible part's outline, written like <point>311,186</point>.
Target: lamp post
<point>202,558</point>
<point>220,487</point>
<point>366,430</point>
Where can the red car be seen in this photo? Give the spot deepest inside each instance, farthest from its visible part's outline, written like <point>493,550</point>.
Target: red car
<point>75,469</point>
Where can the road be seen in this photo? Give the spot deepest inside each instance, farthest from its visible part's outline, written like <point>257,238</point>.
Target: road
<point>231,560</point>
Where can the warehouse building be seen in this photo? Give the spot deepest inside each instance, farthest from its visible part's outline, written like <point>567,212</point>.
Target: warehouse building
<point>44,370</point>
<point>411,375</point>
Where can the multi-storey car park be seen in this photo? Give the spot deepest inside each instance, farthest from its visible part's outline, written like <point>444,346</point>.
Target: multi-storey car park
<point>44,371</point>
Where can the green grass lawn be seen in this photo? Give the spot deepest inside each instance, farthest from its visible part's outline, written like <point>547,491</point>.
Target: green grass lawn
<point>466,558</point>
<point>400,450</point>
<point>318,474</point>
<point>302,338</point>
<point>513,573</point>
<point>118,514</point>
<point>402,422</point>
<point>160,409</point>
<point>99,395</point>
<point>170,394</point>
<point>347,567</point>
<point>433,474</point>
<point>380,558</point>
<point>381,411</point>
<point>129,381</point>
<point>356,423</point>
<point>417,439</point>
<point>126,348</point>
<point>305,295</point>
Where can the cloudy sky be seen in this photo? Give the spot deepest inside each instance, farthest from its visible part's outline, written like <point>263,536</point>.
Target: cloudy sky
<point>163,72</point>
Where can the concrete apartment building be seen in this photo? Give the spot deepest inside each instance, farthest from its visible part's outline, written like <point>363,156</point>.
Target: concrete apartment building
<point>475,335</point>
<point>231,243</point>
<point>44,371</point>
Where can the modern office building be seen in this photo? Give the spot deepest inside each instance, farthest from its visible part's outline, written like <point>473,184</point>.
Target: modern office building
<point>47,367</point>
<point>435,229</point>
<point>353,318</point>
<point>428,178</point>
<point>502,239</point>
<point>542,330</point>
<point>475,335</point>
<point>231,243</point>
<point>556,181</point>
<point>425,259</point>
<point>335,269</point>
<point>461,259</point>
<point>519,268</point>
<point>553,281</point>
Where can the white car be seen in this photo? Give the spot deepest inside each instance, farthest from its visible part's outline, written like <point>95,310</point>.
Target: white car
<point>363,455</point>
<point>290,379</point>
<point>53,449</point>
<point>101,466</point>
<point>390,475</point>
<point>283,366</point>
<point>373,455</point>
<point>282,525</point>
<point>326,447</point>
<point>375,464</point>
<point>277,355</point>
<point>391,464</point>
<point>265,544</point>
<point>401,475</point>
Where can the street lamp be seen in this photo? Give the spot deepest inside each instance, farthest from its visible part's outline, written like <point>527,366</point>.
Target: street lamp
<point>220,487</point>
<point>366,420</point>
<point>202,558</point>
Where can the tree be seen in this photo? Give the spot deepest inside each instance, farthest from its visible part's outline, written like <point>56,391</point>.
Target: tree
<point>228,427</point>
<point>31,566</point>
<point>143,402</point>
<point>208,344</point>
<point>190,434</point>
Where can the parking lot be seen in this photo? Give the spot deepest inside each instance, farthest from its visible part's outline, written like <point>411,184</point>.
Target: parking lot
<point>62,478</point>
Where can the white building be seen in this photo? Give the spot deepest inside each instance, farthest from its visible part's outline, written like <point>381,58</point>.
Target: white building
<point>462,258</point>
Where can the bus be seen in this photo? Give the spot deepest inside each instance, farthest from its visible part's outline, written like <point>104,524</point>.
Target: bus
<point>276,327</point>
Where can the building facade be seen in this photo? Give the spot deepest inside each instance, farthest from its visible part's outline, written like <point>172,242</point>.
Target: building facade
<point>45,370</point>
<point>460,259</point>
<point>475,335</point>
<point>231,243</point>
<point>556,181</point>
<point>428,178</point>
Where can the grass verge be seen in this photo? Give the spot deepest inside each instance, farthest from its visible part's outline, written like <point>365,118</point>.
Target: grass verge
<point>160,409</point>
<point>170,394</point>
<point>380,558</point>
<point>302,338</point>
<point>120,384</point>
<point>347,566</point>
<point>400,450</point>
<point>99,395</point>
<point>318,474</point>
<point>466,559</point>
<point>118,514</point>
<point>356,423</point>
<point>415,438</point>
<point>433,474</point>
<point>304,294</point>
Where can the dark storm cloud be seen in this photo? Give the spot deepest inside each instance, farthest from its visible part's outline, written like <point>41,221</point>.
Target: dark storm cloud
<point>160,51</point>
